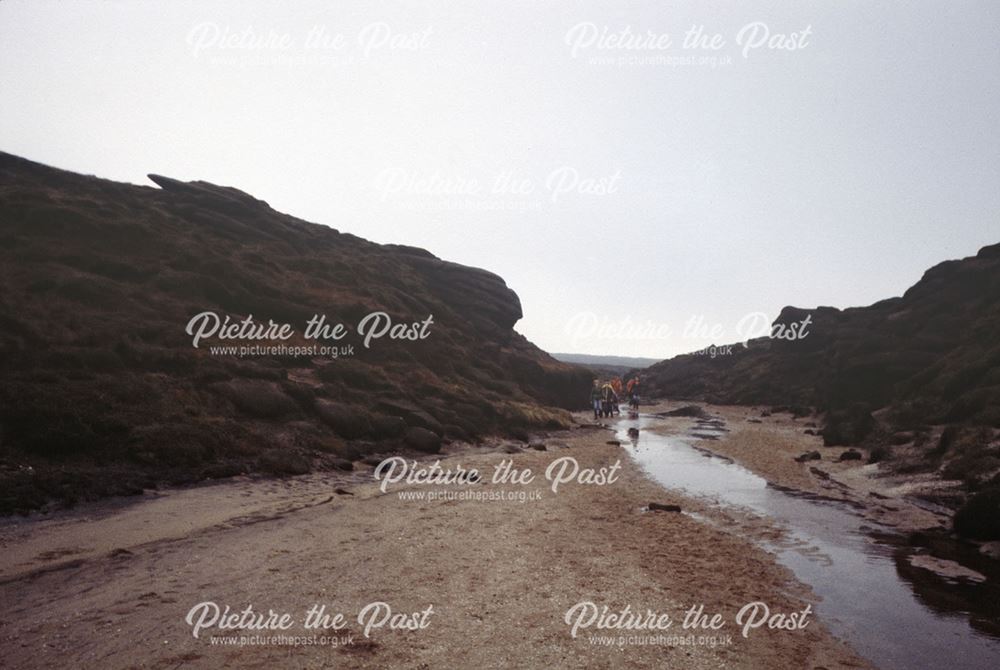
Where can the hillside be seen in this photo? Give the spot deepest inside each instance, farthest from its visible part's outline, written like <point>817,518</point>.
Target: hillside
<point>916,377</point>
<point>102,391</point>
<point>606,366</point>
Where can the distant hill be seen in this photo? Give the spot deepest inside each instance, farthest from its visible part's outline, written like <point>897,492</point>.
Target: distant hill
<point>102,392</point>
<point>616,365</point>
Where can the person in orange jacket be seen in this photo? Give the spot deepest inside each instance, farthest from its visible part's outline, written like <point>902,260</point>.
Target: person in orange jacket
<point>633,393</point>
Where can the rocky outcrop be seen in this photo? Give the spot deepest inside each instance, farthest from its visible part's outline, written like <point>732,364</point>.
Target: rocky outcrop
<point>423,440</point>
<point>102,392</point>
<point>482,295</point>
<point>915,377</point>
<point>931,355</point>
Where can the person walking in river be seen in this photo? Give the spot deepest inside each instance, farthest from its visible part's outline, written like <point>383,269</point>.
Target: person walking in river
<point>616,385</point>
<point>633,394</point>
<point>595,398</point>
<point>608,400</point>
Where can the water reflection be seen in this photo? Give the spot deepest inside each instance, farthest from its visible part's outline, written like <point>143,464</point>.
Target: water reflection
<point>896,614</point>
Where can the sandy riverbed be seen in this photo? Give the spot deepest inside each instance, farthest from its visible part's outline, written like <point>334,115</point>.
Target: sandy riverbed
<point>109,585</point>
<point>769,443</point>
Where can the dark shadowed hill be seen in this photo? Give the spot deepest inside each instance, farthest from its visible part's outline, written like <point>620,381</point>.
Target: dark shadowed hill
<point>932,355</point>
<point>888,375</point>
<point>102,392</point>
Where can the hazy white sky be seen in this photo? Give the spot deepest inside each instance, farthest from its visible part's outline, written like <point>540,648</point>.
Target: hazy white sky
<point>610,173</point>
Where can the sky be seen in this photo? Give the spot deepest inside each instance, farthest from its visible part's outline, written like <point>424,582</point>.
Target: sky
<point>649,177</point>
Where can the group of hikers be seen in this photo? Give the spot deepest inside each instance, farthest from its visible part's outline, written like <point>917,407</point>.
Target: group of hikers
<point>604,396</point>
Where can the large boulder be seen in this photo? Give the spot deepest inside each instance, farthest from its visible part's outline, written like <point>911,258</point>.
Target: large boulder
<point>347,421</point>
<point>257,398</point>
<point>979,518</point>
<point>385,426</point>
<point>423,440</point>
<point>848,426</point>
<point>413,414</point>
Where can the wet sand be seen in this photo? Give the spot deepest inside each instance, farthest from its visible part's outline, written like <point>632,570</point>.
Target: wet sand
<point>768,445</point>
<point>109,585</point>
